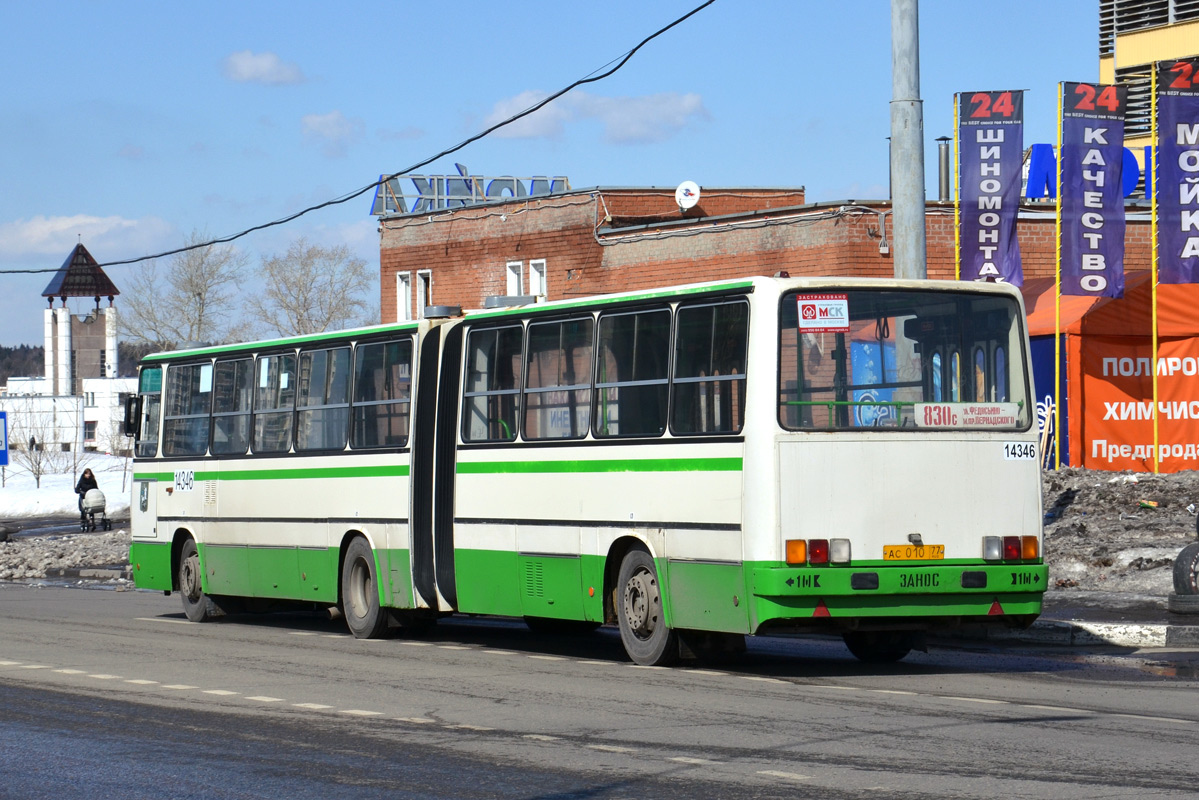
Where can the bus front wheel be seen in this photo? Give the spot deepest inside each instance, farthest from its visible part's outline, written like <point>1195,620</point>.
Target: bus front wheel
<point>198,606</point>
<point>360,592</point>
<point>643,631</point>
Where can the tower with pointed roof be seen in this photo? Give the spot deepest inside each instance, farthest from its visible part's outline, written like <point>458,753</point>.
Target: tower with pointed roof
<point>83,346</point>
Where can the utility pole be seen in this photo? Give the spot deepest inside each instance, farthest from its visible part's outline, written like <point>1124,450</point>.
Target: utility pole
<point>907,143</point>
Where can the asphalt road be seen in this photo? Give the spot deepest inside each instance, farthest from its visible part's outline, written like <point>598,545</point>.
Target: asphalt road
<point>115,693</point>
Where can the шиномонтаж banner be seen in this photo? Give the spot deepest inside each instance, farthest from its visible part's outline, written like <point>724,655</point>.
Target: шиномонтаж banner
<point>990,159</point>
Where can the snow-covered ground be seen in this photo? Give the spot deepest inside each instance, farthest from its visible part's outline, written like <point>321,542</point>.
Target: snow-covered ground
<point>20,497</point>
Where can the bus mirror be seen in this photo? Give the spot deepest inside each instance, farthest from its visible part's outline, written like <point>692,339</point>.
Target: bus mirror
<point>133,413</point>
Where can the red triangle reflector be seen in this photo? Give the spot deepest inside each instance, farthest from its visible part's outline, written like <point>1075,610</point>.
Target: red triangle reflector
<point>996,610</point>
<point>821,609</point>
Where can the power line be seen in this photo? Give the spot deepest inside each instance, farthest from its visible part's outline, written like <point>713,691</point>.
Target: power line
<point>347,197</point>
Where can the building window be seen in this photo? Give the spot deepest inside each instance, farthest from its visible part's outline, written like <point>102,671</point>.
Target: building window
<point>89,399</point>
<point>424,292</point>
<point>89,431</point>
<point>514,275</point>
<point>537,277</point>
<point>103,364</point>
<point>403,296</point>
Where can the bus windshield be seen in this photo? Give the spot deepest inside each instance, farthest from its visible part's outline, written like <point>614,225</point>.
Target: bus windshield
<point>901,359</point>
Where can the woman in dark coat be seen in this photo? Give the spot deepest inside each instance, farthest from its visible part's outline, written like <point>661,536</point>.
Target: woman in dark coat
<point>87,482</point>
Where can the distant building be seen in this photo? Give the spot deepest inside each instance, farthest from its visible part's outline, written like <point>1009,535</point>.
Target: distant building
<point>77,404</point>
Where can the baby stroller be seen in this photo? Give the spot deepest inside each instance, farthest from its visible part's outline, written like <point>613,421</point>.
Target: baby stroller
<point>93,505</point>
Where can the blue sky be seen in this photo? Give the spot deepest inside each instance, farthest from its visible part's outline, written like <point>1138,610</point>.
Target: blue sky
<point>133,124</point>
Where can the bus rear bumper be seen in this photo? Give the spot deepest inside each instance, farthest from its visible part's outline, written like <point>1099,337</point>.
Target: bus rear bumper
<point>913,597</point>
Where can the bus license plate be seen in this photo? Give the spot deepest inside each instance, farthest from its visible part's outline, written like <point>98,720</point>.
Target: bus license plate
<point>913,552</point>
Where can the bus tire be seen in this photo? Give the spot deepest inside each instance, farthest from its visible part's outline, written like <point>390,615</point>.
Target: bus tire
<point>879,647</point>
<point>643,631</point>
<point>360,592</point>
<point>198,606</point>
<point>1186,570</point>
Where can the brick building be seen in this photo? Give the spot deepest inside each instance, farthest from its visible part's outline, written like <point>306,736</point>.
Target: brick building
<point>602,240</point>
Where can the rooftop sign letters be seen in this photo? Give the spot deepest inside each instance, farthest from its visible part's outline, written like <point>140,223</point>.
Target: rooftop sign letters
<point>421,194</point>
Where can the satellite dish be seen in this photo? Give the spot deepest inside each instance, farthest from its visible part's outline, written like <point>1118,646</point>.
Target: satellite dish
<point>687,195</point>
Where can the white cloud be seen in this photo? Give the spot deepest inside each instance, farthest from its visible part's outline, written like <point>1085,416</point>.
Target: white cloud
<point>267,68</point>
<point>43,242</point>
<point>333,131</point>
<point>625,120</point>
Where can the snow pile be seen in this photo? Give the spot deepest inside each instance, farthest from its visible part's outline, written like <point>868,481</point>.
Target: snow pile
<point>28,557</point>
<point>1117,531</point>
<point>21,497</point>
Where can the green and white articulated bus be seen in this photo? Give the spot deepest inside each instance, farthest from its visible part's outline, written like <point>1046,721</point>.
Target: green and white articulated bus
<point>693,464</point>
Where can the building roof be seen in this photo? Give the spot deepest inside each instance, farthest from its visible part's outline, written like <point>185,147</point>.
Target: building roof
<point>80,276</point>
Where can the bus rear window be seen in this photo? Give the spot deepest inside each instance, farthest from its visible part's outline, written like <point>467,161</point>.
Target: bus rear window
<point>901,359</point>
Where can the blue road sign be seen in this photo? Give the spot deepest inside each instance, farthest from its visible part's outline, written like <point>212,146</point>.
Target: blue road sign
<point>3,438</point>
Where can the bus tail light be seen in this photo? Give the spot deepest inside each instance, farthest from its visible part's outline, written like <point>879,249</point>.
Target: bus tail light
<point>992,548</point>
<point>797,551</point>
<point>1011,548</point>
<point>818,551</point>
<point>1029,547</point>
<point>838,551</point>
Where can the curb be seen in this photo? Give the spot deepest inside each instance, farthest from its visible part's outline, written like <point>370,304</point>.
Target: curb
<point>1075,633</point>
<point>109,574</point>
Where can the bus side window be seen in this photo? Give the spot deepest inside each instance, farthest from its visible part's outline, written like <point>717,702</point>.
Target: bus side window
<point>492,385</point>
<point>231,385</point>
<point>274,403</point>
<point>323,418</point>
<point>188,405</point>
<point>558,379</point>
<point>382,393</point>
<point>631,373</point>
<point>709,368</point>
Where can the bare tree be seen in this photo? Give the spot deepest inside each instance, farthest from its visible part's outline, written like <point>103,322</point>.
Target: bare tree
<point>193,298</point>
<point>37,435</point>
<point>311,289</point>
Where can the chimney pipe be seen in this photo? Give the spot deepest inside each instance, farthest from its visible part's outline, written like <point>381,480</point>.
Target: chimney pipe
<point>944,193</point>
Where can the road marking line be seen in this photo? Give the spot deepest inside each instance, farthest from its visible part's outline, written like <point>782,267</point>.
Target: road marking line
<point>37,666</point>
<point>303,633</point>
<point>334,635</point>
<point>611,748</point>
<point>417,644</point>
<point>758,678</point>
<point>548,658</point>
<point>262,699</point>
<point>891,691</point>
<point>707,672</point>
<point>792,776</point>
<point>452,647</point>
<point>312,706</point>
<point>468,727</point>
<point>70,671</point>
<point>221,692</point>
<point>357,712</point>
<point>179,686</point>
<point>499,652</point>
<point>541,737</point>
<point>1156,719</point>
<point>686,760</point>
<point>986,700</point>
<point>10,663</point>
<point>601,663</point>
<point>160,619</point>
<point>833,686</point>
<point>141,682</point>
<point>1059,708</point>
<point>416,720</point>
<point>105,677</point>
<point>643,666</point>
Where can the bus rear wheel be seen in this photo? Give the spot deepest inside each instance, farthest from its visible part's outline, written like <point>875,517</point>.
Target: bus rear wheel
<point>198,606</point>
<point>879,647</point>
<point>1186,570</point>
<point>360,592</point>
<point>643,631</point>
